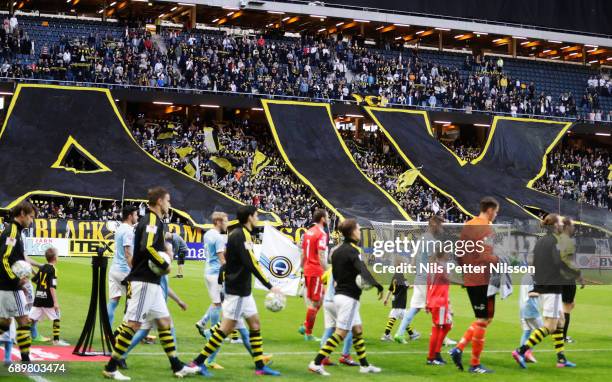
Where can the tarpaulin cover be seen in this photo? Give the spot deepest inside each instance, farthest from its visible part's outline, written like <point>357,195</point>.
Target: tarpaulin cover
<point>310,144</point>
<point>511,160</point>
<point>42,119</point>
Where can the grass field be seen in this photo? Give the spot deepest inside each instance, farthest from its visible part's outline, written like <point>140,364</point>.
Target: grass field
<point>591,327</point>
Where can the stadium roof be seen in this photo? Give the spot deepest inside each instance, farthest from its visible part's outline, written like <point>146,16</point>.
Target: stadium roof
<point>370,24</point>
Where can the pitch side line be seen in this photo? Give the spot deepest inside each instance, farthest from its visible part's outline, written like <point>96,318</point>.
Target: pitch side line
<point>296,353</point>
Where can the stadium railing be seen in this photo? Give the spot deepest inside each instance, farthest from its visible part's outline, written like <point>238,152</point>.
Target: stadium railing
<point>195,91</point>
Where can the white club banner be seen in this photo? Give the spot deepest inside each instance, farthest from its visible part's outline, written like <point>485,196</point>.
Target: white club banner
<point>36,246</point>
<point>279,259</point>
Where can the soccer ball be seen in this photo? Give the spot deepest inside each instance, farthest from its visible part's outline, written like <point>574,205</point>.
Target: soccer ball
<point>157,270</point>
<point>275,302</point>
<point>362,284</point>
<point>22,269</point>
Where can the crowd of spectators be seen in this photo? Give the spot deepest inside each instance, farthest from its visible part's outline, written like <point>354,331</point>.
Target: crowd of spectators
<point>310,66</point>
<point>274,189</point>
<point>579,174</point>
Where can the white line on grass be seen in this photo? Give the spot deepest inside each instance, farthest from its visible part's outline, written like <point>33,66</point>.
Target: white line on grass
<point>38,378</point>
<point>296,353</point>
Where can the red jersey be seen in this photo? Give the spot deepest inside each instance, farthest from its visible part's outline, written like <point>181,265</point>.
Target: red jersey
<point>315,240</point>
<point>437,289</point>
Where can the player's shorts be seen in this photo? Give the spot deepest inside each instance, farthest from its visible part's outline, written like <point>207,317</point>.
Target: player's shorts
<point>347,312</point>
<point>115,288</point>
<point>151,324</point>
<point>329,314</point>
<point>568,293</point>
<point>483,305</point>
<point>441,315</point>
<point>551,305</point>
<point>9,335</point>
<point>146,302</point>
<point>531,323</point>
<point>397,313</point>
<point>180,258</point>
<point>39,312</point>
<point>238,307</point>
<point>214,288</point>
<point>314,288</point>
<point>13,303</point>
<point>419,296</point>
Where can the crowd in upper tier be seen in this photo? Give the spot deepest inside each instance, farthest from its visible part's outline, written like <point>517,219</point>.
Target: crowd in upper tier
<point>310,66</point>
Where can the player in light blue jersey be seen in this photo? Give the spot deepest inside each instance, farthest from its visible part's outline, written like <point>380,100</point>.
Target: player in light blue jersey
<point>214,246</point>
<point>122,260</point>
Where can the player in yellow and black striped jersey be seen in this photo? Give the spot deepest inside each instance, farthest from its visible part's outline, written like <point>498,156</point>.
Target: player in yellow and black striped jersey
<point>13,301</point>
<point>146,300</point>
<point>240,264</point>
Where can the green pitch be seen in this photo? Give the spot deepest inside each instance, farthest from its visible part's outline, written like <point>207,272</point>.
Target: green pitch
<point>590,326</point>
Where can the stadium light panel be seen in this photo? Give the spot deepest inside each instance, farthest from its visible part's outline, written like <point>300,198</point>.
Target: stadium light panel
<point>257,109</point>
<point>321,30</point>
<point>276,12</point>
<point>401,25</point>
<point>361,21</point>
<point>565,47</point>
<point>173,9</point>
<point>459,36</point>
<point>443,122</point>
<point>185,4</point>
<point>593,61</point>
<point>210,106</point>
<point>318,17</point>
<point>398,37</point>
<point>603,134</point>
<point>100,11</point>
<point>380,27</point>
<point>419,32</point>
<point>6,93</point>
<point>215,20</point>
<point>481,33</point>
<point>285,18</point>
<point>546,51</point>
<point>230,13</point>
<point>340,23</point>
<point>525,42</point>
<point>591,46</point>
<point>443,29</point>
<point>482,124</point>
<point>110,5</point>
<point>555,58</point>
<point>354,115</point>
<point>555,41</point>
<point>162,103</point>
<point>230,8</point>
<point>519,38</point>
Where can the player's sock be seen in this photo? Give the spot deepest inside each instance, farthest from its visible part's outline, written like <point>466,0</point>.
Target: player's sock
<point>34,329</point>
<point>246,341</point>
<point>24,340</point>
<point>167,342</point>
<point>390,324</point>
<point>328,348</point>
<point>559,342</point>
<point>478,341</point>
<point>140,335</point>
<point>56,330</point>
<point>360,349</point>
<point>348,341</point>
<point>535,338</point>
<point>311,315</point>
<point>215,341</point>
<point>566,326</point>
<point>110,308</point>
<point>215,315</point>
<point>235,335</point>
<point>443,332</point>
<point>8,349</point>
<point>410,330</point>
<point>256,341</point>
<point>525,336</point>
<point>123,340</point>
<point>433,341</point>
<point>406,321</point>
<point>206,316</point>
<point>467,337</point>
<point>326,334</point>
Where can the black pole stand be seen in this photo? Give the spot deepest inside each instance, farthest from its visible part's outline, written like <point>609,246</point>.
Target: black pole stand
<point>97,302</point>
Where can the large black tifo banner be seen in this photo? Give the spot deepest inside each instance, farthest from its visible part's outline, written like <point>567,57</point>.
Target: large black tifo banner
<point>46,123</point>
<point>312,147</point>
<point>512,159</point>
